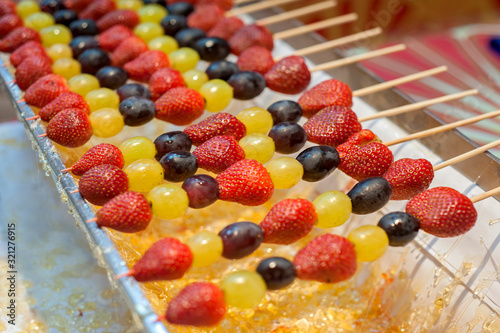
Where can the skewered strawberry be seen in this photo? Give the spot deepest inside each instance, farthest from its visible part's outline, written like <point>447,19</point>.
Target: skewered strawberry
<point>217,124</point>
<point>126,17</point>
<point>45,90</point>
<point>327,93</point>
<point>163,80</point>
<point>180,106</point>
<point>8,23</point>
<point>70,128</point>
<point>31,69</point>
<point>97,9</point>
<point>102,183</point>
<point>409,177</point>
<point>110,39</point>
<point>290,75</point>
<point>226,27</point>
<point>142,67</point>
<point>218,153</point>
<point>205,16</point>
<point>64,101</point>
<point>251,35</point>
<point>18,37</point>
<point>104,153</point>
<point>128,49</point>
<point>257,59</point>
<point>28,49</point>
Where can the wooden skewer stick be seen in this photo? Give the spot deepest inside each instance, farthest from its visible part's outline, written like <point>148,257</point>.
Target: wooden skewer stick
<point>296,13</point>
<point>466,155</point>
<point>256,7</point>
<point>303,29</point>
<point>396,82</point>
<point>419,105</point>
<point>240,2</point>
<point>485,195</point>
<point>443,128</point>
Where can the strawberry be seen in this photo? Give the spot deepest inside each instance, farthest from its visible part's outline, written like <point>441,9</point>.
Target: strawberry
<point>327,93</point>
<point>8,23</point>
<point>363,156</point>
<point>226,27</point>
<point>142,67</point>
<point>104,153</point>
<point>198,304</point>
<point>257,59</point>
<point>327,258</point>
<point>18,37</point>
<point>205,16</point>
<point>127,212</point>
<point>409,177</point>
<point>180,106</point>
<point>110,39</point>
<point>218,153</point>
<point>65,100</point>
<point>246,182</point>
<point>97,9</point>
<point>102,183</point>
<point>218,124</point>
<point>126,17</point>
<point>163,80</point>
<point>7,7</point>
<point>332,126</point>
<point>70,128</point>
<point>31,69</point>
<point>224,4</point>
<point>251,35</point>
<point>77,5</point>
<point>443,212</point>
<point>45,90</point>
<point>290,75</point>
<point>128,50</point>
<point>288,221</point>
<point>28,49</point>
<point>166,259</point>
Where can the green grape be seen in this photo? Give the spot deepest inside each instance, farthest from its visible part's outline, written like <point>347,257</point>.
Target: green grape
<point>59,51</point>
<point>27,7</point>
<point>333,208</point>
<point>66,67</point>
<point>83,84</point>
<point>147,31</point>
<point>137,148</point>
<point>285,172</point>
<point>217,94</point>
<point>144,175</point>
<point>38,21</point>
<point>370,242</point>
<point>151,13</point>
<point>166,44</point>
<point>256,120</point>
<point>168,201</point>
<point>206,247</point>
<point>194,78</point>
<point>106,122</point>
<point>243,289</point>
<point>184,59</point>
<point>55,34</point>
<point>102,98</point>
<point>129,4</point>
<point>258,146</point>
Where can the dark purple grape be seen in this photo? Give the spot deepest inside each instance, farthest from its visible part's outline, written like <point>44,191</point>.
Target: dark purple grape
<point>65,16</point>
<point>178,165</point>
<point>170,141</point>
<point>369,195</point>
<point>83,27</point>
<point>212,48</point>
<point>240,239</point>
<point>180,8</point>
<point>51,6</point>
<point>221,70</point>
<point>188,37</point>
<point>318,162</point>
<point>400,227</point>
<point>133,89</point>
<point>172,24</point>
<point>202,190</point>
<point>83,43</point>
<point>93,59</point>
<point>137,111</point>
<point>277,272</point>
<point>155,2</point>
<point>285,111</point>
<point>247,85</point>
<point>112,77</point>
<point>288,137</point>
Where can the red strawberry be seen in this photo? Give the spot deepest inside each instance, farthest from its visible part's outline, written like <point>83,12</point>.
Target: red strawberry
<point>327,93</point>
<point>163,80</point>
<point>128,50</point>
<point>166,259</point>
<point>45,90</point>
<point>8,23</point>
<point>226,27</point>
<point>102,183</point>
<point>246,182</point>
<point>142,67</point>
<point>70,128</point>
<point>251,35</point>
<point>218,124</point>
<point>290,75</point>
<point>326,258</point>
<point>64,101</point>
<point>363,156</point>
<point>31,69</point>
<point>224,4</point>
<point>77,5</point>
<point>256,59</point>
<point>288,221</point>
<point>409,177</point>
<point>218,153</point>
<point>104,153</point>
<point>18,37</point>
<point>110,39</point>
<point>127,212</point>
<point>126,17</point>
<point>180,106</point>
<point>28,49</point>
<point>97,9</point>
<point>443,212</point>
<point>198,304</point>
<point>332,126</point>
<point>205,16</point>
<point>7,7</point>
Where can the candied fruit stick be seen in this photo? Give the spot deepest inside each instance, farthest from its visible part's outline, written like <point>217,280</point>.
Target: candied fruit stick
<point>296,13</point>
<point>303,29</point>
<point>256,7</point>
<point>467,155</point>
